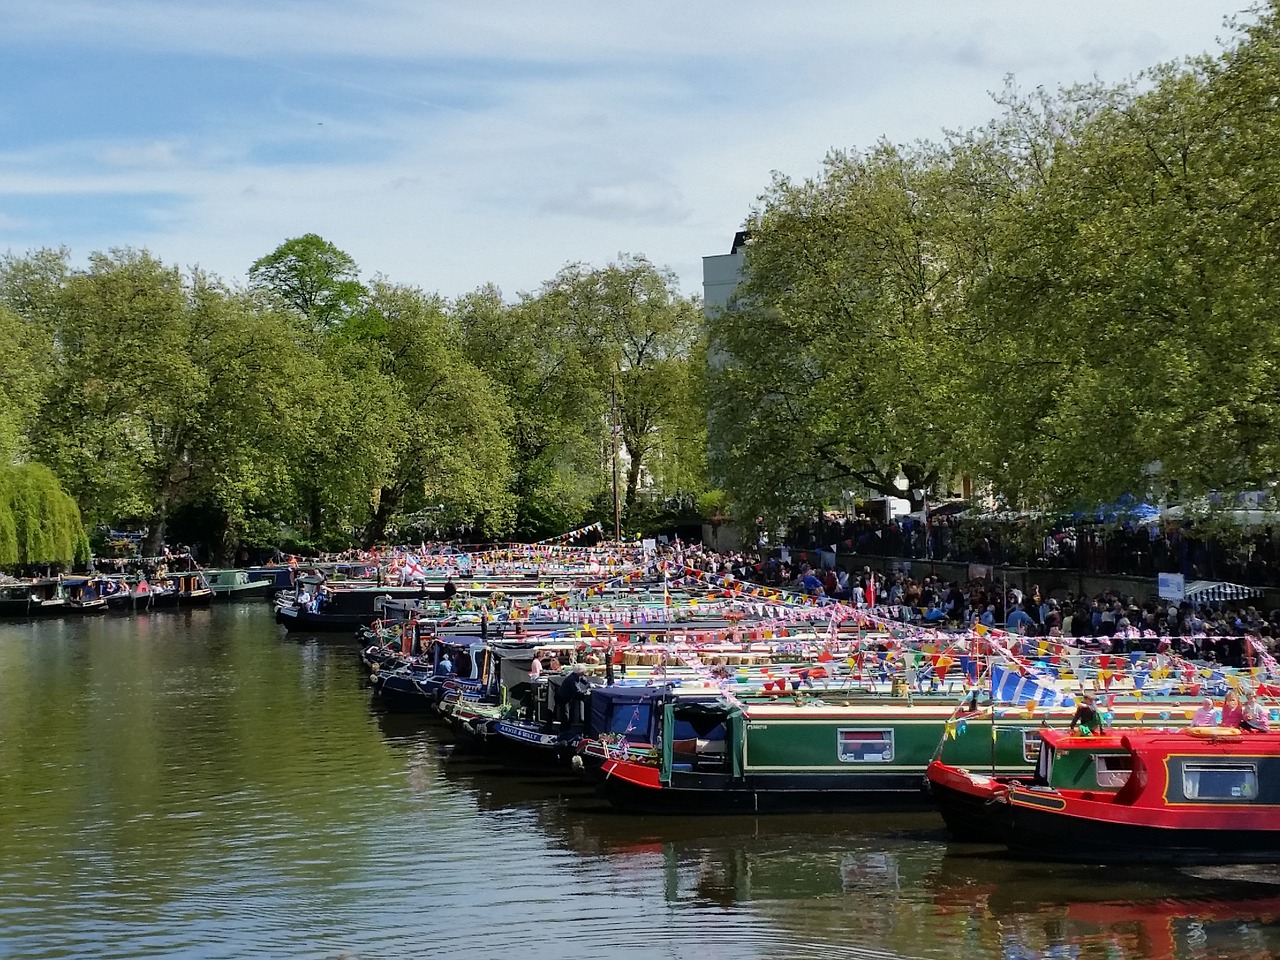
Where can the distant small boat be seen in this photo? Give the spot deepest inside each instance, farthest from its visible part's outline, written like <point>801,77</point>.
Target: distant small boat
<point>235,584</point>
<point>86,594</point>
<point>43,597</point>
<point>182,590</point>
<point>128,595</point>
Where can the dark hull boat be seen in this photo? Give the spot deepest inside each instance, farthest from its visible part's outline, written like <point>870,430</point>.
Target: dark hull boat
<point>303,620</point>
<point>32,598</point>
<point>1198,795</point>
<point>184,590</point>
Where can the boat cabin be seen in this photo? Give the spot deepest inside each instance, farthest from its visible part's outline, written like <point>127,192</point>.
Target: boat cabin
<point>1195,765</point>
<point>1098,764</point>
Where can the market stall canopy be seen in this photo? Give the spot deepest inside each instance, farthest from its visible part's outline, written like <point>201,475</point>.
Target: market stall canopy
<point>1207,591</point>
<point>1127,509</point>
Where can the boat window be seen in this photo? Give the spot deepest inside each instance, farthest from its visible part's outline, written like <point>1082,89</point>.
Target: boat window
<point>1112,772</point>
<point>1220,781</point>
<point>1031,745</point>
<point>865,745</point>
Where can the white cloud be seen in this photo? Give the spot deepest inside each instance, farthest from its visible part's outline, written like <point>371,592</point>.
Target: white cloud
<point>448,144</point>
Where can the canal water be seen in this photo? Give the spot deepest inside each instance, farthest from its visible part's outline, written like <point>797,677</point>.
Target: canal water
<point>200,785</point>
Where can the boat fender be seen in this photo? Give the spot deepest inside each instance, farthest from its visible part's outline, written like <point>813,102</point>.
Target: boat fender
<point>1212,732</point>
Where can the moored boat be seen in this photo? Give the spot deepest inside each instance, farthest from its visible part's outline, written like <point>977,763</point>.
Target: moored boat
<point>86,594</point>
<point>41,597</point>
<point>1194,795</point>
<point>183,590</point>
<point>234,584</point>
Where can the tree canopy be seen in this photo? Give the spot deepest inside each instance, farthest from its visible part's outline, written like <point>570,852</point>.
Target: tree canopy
<point>39,523</point>
<point>1067,304</point>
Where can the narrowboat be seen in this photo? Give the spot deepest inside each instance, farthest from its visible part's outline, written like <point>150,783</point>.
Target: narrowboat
<point>42,597</point>
<point>128,596</point>
<point>725,756</point>
<point>314,606</point>
<point>86,594</point>
<point>418,685</point>
<point>181,590</point>
<point>231,585</point>
<point>1195,795</point>
<point>830,750</point>
<point>279,579</point>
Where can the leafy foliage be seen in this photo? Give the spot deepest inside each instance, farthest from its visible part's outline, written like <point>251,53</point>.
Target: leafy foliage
<point>39,522</point>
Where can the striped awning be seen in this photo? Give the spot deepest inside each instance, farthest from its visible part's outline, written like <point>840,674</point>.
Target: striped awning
<point>1207,591</point>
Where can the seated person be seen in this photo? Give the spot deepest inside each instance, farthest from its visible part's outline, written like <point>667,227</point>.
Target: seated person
<point>1256,715</point>
<point>1232,710</point>
<point>1087,717</point>
<point>1206,715</point>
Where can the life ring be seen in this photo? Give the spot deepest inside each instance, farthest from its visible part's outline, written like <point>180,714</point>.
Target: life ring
<point>1214,731</point>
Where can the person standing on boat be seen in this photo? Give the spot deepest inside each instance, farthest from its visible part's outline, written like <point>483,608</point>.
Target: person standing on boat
<point>450,589</point>
<point>571,692</point>
<point>1087,717</point>
<point>1019,620</point>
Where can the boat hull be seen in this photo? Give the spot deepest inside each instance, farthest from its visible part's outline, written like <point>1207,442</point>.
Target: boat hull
<point>1045,834</point>
<point>404,693</point>
<point>971,804</point>
<point>636,788</point>
<point>306,621</point>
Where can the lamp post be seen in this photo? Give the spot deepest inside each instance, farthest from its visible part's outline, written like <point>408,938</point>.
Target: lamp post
<point>922,494</point>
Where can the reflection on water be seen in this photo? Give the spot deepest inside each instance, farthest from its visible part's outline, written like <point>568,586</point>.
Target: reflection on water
<point>199,785</point>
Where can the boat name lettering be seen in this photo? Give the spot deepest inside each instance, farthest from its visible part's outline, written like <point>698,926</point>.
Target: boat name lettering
<point>520,733</point>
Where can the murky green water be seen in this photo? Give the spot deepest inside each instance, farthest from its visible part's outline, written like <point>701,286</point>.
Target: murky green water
<point>198,785</point>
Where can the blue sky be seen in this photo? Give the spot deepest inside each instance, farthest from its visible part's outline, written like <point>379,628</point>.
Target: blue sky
<point>448,145</point>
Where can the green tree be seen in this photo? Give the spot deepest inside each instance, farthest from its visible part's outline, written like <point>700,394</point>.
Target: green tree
<point>39,522</point>
<point>444,426</point>
<point>534,357</point>
<point>1143,264</point>
<point>162,392</point>
<point>311,276</point>
<point>640,334</point>
<point>836,363</point>
<point>318,283</point>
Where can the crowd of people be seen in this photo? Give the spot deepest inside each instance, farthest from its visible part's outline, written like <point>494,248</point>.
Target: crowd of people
<point>1125,549</point>
<point>1111,621</point>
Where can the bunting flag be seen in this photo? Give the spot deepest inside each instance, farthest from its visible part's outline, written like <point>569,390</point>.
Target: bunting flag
<point>1011,687</point>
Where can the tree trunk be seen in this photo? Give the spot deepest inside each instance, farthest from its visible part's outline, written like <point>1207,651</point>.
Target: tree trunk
<point>376,529</point>
<point>633,480</point>
<point>156,530</point>
<point>315,515</point>
<point>227,542</point>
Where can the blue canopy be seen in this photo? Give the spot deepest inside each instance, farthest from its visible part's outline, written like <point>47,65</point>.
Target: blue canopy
<point>1126,509</point>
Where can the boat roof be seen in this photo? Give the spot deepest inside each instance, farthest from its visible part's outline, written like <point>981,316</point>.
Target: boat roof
<point>1209,741</point>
